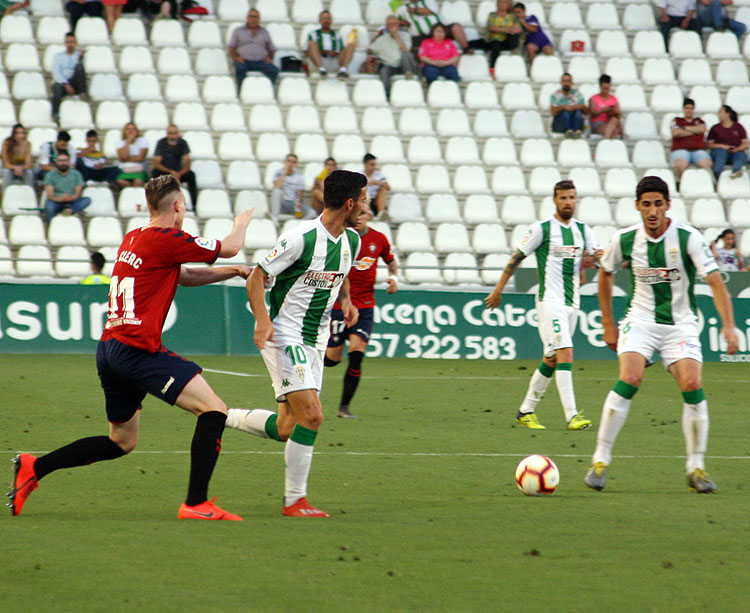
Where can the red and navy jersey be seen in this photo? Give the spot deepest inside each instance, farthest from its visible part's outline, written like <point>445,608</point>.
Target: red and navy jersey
<point>362,275</point>
<point>144,282</point>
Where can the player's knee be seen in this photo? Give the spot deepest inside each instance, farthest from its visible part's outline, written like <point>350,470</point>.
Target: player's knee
<point>691,383</point>
<point>211,404</point>
<point>329,362</point>
<point>310,417</point>
<point>127,444</point>
<point>633,379</point>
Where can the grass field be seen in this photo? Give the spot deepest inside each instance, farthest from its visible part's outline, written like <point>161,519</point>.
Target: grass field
<point>425,514</point>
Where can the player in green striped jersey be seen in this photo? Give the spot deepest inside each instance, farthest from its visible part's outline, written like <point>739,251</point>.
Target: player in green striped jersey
<point>663,257</point>
<point>559,243</point>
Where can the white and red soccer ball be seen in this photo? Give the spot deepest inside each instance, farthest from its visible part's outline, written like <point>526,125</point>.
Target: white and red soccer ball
<point>537,475</point>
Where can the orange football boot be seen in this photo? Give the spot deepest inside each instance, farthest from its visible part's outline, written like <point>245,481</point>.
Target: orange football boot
<point>302,508</point>
<point>205,510</point>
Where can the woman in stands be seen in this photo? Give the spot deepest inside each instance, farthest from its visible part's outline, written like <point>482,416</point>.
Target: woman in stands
<point>439,56</point>
<point>113,11</point>
<point>16,157</point>
<point>728,256</point>
<point>131,151</point>
<point>605,110</point>
<point>727,142</point>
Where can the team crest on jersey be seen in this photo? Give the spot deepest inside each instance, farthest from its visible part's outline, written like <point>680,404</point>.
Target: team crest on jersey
<point>372,247</point>
<point>206,243</point>
<point>652,276</point>
<point>301,373</point>
<point>364,263</point>
<point>565,251</point>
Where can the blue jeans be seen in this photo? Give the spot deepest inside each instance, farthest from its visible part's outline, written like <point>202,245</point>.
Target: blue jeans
<point>714,16</point>
<point>567,120</point>
<point>721,157</point>
<point>433,72</point>
<point>76,206</point>
<point>267,68</point>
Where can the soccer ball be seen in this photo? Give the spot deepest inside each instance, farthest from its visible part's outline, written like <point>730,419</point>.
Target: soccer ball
<point>537,475</point>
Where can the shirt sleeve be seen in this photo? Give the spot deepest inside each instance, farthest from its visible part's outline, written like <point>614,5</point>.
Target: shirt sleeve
<point>423,49</point>
<point>185,147</point>
<point>233,40</point>
<point>532,240</point>
<point>161,145</point>
<point>58,63</point>
<point>590,242</point>
<point>269,44</point>
<point>181,247</point>
<point>743,132</point>
<point>712,134</point>
<point>386,252</point>
<point>78,177</point>
<point>612,259</point>
<point>701,255</point>
<point>285,253</point>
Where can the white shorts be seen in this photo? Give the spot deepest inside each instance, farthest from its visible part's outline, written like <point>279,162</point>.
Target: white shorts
<point>672,343</point>
<point>293,368</point>
<point>557,324</point>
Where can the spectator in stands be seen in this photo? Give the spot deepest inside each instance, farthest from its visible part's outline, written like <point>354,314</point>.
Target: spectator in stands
<point>688,141</point>
<point>172,156</point>
<point>503,31</point>
<point>420,16</point>
<point>49,151</point>
<point>439,56</point>
<point>727,141</point>
<point>377,186</point>
<point>16,156</point>
<point>252,50</point>
<point>113,11</point>
<point>131,153</point>
<point>92,163</point>
<point>317,192</point>
<point>97,277</point>
<point>728,257</point>
<point>68,73</point>
<point>78,8</point>
<point>536,40</point>
<point>286,196</point>
<point>676,14</point>
<point>9,6</point>
<point>391,48</point>
<point>63,186</point>
<point>713,14</point>
<point>605,110</point>
<point>326,50</point>
<point>568,108</point>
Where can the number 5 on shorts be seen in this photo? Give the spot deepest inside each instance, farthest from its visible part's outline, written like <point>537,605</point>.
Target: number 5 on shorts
<point>297,354</point>
<point>556,326</point>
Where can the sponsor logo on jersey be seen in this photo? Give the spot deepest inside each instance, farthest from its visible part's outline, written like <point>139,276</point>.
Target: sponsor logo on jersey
<point>652,276</point>
<point>364,263</point>
<point>565,251</point>
<point>206,243</point>
<point>272,254</point>
<point>323,280</point>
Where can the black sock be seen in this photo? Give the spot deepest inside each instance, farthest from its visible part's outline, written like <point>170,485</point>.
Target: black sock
<point>204,452</point>
<point>351,378</point>
<point>329,362</point>
<point>78,453</point>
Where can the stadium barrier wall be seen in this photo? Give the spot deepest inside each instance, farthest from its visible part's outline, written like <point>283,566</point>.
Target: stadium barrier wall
<point>442,324</point>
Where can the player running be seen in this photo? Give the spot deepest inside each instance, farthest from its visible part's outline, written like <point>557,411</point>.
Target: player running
<point>559,243</point>
<point>362,282</point>
<point>663,256</point>
<point>308,270</point>
<point>131,360</point>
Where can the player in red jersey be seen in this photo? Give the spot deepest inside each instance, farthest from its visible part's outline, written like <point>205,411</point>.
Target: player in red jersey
<point>131,360</point>
<point>361,282</point>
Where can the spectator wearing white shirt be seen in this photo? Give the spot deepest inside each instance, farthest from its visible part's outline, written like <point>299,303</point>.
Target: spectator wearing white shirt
<point>676,14</point>
<point>68,74</point>
<point>286,196</point>
<point>377,186</point>
<point>131,152</point>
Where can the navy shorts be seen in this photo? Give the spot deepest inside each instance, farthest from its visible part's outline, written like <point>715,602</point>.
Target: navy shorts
<point>127,374</point>
<point>339,331</point>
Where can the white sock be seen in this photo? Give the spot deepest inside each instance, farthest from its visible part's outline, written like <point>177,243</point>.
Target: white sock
<point>252,421</point>
<point>614,414</point>
<point>564,383</point>
<point>298,459</point>
<point>537,387</point>
<point>695,429</point>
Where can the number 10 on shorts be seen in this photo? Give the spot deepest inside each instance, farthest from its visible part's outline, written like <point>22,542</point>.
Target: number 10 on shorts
<point>296,354</point>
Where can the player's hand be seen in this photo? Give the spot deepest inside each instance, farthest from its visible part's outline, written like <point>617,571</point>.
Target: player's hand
<point>493,300</point>
<point>243,219</point>
<point>351,314</point>
<point>730,336</point>
<point>392,286</point>
<point>263,333</point>
<point>244,271</point>
<point>610,337</point>
<point>598,254</point>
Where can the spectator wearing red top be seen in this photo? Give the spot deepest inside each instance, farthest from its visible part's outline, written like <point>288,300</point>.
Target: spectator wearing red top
<point>688,140</point>
<point>439,56</point>
<point>727,141</point>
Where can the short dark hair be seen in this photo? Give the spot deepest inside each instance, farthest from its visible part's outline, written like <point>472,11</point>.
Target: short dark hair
<point>566,74</point>
<point>91,133</point>
<point>652,184</point>
<point>688,101</point>
<point>330,160</point>
<point>69,34</point>
<point>158,189</point>
<point>731,111</point>
<point>605,78</point>
<point>563,185</point>
<point>368,157</point>
<point>725,232</point>
<point>519,5</point>
<point>341,185</point>
<point>97,259</point>
<point>435,27</point>
<point>63,135</point>
<point>323,12</point>
<point>62,154</point>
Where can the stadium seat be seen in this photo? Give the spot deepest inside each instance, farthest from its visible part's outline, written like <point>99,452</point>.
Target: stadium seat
<point>405,207</point>
<point>480,208</point>
<point>666,99</point>
<point>331,92</point>
<point>507,180</point>
<point>431,179</point>
<point>406,93</point>
<point>685,43</point>
<point>413,236</point>
<point>640,126</point>
<point>151,116</point>
<point>257,90</point>
<point>611,153</point>
<point>489,238</point>
<point>65,230</point>
<point>265,118</point>
<point>638,17</point>
<point>594,211</point>
<point>461,268</point>
<point>227,117</point>
<point>584,69</point>
<point>104,232</point>
<point>179,88</point>
<point>602,16</point>
<point>91,31</point>
<point>75,114</point>
<point>72,261</point>
<point>4,90</point>
<point>208,174</point>
<point>26,230</point>
<point>443,94</point>
<point>649,154</point>
<point>369,92</point>
<point>213,203</point>
<point>480,95</point>
<point>572,41</point>
<point>666,175</point>
<point>261,234</point>
<point>21,56</point>
<point>707,212</point>
<point>518,96</point>
<point>376,12</point>
<point>470,179</point>
<point>452,238</point>
<point>499,151</point>
<point>586,181</point>
<point>722,45</point>
<point>341,120</point>
<point>657,71</point>
<point>232,10</point>
<point>565,15</point>
<point>542,180</point>
<point>378,120</point>
<point>453,122</point>
<point>105,87</point>
<point>28,84</point>
<point>574,153</point>
<point>537,152</point>
<point>707,98</point>
<point>625,212</point>
<point>603,234</point>
<point>136,59</point>
<point>461,150</point>
<point>201,144</point>
<point>255,199</point>
<point>620,183</point>
<point>219,88</point>
<point>102,201</point>
<point>473,68</point>
<point>132,202</point>
<point>492,267</point>
<point>613,43</point>
<point>42,8</point>
<point>294,90</point>
<point>19,200</point>
<point>442,208</point>
<point>422,268</point>
<point>98,58</point>
<point>491,122</point>
<point>732,72</point>
<point>203,34</point>
<point>49,30</point>
<point>424,150</point>
<point>348,148</point>
<point>302,118</point>
<point>739,212</point>
<point>511,69</point>
<point>517,210</point>
<point>244,174</point>
<point>306,11</point>
<point>131,32</point>
<point>695,71</point>
<point>388,149</point>
<point>697,183</point>
<point>110,115</point>
<point>546,69</point>
<point>649,43</point>
<point>311,148</point>
<point>733,188</point>
<point>34,261</point>
<point>210,62</point>
<point>739,99</point>
<point>416,121</point>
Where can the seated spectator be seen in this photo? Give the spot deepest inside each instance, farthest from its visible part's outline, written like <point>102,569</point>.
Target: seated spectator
<point>49,151</point>
<point>536,40</point>
<point>252,50</point>
<point>97,277</point>
<point>420,16</point>
<point>63,186</point>
<point>92,163</point>
<point>713,14</point>
<point>503,32</point>
<point>317,192</point>
<point>728,257</point>
<point>172,156</point>
<point>78,8</point>
<point>439,56</point>
<point>16,157</point>
<point>568,108</point>
<point>326,50</point>
<point>9,6</point>
<point>676,14</point>
<point>727,141</point>
<point>131,153</point>
<point>286,196</point>
<point>605,110</point>
<point>391,48</point>
<point>68,74</point>
<point>377,186</point>
<point>113,11</point>
<point>688,141</point>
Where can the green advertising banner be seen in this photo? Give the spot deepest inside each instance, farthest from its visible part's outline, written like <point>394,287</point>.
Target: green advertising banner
<point>441,324</point>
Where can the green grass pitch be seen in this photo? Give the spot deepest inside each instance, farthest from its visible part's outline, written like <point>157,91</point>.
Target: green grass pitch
<point>425,513</point>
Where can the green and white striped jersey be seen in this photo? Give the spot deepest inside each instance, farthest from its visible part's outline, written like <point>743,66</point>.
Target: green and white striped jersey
<point>559,251</point>
<point>307,267</point>
<point>419,25</point>
<point>662,271</point>
<point>327,41</point>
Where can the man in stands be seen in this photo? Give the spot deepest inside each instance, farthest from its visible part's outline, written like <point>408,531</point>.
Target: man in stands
<point>420,15</point>
<point>713,14</point>
<point>49,151</point>
<point>377,186</point>
<point>326,49</point>
<point>688,141</point>
<point>391,48</point>
<point>78,8</point>
<point>68,73</point>
<point>676,14</point>
<point>172,157</point>
<point>568,108</point>
<point>63,187</point>
<point>286,196</point>
<point>92,163</point>
<point>252,50</point>
<point>97,276</point>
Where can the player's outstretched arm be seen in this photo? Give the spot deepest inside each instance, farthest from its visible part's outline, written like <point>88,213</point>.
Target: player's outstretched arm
<point>193,277</point>
<point>256,292</point>
<point>496,297</point>
<point>233,241</point>
<point>606,281</point>
<point>723,303</point>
